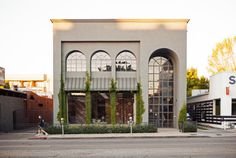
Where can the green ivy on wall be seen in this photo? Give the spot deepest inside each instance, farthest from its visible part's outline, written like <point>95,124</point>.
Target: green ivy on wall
<point>113,101</point>
<point>62,113</point>
<point>88,98</point>
<point>139,104</point>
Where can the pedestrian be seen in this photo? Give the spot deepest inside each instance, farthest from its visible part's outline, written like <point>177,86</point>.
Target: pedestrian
<point>41,122</point>
<point>41,126</point>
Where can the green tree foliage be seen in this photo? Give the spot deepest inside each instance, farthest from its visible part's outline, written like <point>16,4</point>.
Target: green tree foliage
<point>182,115</point>
<point>139,104</point>
<point>88,99</point>
<point>7,85</point>
<point>62,113</point>
<point>223,57</point>
<point>113,101</point>
<point>195,82</point>
<point>203,83</point>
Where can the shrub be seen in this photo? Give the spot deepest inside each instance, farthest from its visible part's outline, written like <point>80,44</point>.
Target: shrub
<point>144,129</point>
<point>99,129</point>
<point>139,105</point>
<point>189,126</point>
<point>182,115</point>
<point>113,101</point>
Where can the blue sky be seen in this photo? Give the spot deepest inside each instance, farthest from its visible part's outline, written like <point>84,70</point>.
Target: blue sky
<point>26,30</point>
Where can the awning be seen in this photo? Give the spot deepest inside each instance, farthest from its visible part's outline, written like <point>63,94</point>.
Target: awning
<point>72,84</point>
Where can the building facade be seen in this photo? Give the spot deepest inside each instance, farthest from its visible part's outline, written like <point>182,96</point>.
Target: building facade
<point>2,77</point>
<point>20,110</point>
<point>41,84</point>
<point>130,51</point>
<point>218,106</point>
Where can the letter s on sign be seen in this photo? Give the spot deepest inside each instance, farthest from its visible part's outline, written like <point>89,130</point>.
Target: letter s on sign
<point>232,80</point>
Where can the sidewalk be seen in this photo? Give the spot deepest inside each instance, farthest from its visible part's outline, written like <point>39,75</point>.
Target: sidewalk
<point>162,133</point>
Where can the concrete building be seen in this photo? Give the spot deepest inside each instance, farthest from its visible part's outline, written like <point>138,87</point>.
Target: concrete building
<point>2,77</point>
<point>218,106</point>
<point>130,51</point>
<point>21,109</point>
<point>41,84</point>
<point>11,103</point>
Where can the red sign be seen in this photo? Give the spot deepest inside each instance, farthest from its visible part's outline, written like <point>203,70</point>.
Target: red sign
<point>227,90</point>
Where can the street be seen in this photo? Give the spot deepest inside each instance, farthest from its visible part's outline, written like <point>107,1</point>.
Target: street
<point>118,148</point>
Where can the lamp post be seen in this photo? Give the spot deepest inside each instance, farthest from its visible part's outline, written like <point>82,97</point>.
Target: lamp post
<point>156,115</point>
<point>130,124</point>
<point>152,115</point>
<point>62,126</point>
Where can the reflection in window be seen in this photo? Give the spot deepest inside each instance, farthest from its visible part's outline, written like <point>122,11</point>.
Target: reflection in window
<point>160,89</point>
<point>125,61</point>
<point>101,61</point>
<point>75,62</point>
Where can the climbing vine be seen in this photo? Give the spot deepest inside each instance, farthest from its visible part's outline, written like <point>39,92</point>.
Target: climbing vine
<point>113,101</point>
<point>88,98</point>
<point>62,113</point>
<point>139,104</point>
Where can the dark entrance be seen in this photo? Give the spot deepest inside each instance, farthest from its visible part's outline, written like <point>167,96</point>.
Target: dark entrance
<point>100,107</point>
<point>76,108</point>
<point>124,107</point>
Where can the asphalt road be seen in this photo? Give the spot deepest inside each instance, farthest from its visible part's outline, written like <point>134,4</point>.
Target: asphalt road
<point>119,148</point>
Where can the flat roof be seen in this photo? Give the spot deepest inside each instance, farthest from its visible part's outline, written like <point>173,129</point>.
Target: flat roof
<point>196,96</point>
<point>26,77</point>
<point>118,20</point>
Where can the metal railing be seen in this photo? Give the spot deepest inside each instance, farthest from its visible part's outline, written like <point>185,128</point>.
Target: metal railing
<point>218,119</point>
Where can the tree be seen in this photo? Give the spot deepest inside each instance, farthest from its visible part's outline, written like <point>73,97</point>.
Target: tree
<point>139,104</point>
<point>113,101</point>
<point>223,58</point>
<point>62,113</point>
<point>88,98</point>
<point>182,115</point>
<point>194,82</point>
<point>203,83</point>
<point>7,85</point>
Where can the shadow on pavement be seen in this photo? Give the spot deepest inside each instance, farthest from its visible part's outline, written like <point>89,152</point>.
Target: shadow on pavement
<point>18,134</point>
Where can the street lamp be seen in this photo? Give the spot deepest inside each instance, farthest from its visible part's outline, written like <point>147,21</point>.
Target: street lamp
<point>156,115</point>
<point>152,115</point>
<point>62,126</point>
<point>130,124</point>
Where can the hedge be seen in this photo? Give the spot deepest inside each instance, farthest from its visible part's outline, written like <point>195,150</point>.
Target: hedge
<point>100,129</point>
<point>189,126</point>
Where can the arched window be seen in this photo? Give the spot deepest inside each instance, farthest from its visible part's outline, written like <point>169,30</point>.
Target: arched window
<point>160,91</point>
<point>125,61</point>
<point>76,61</point>
<point>101,61</point>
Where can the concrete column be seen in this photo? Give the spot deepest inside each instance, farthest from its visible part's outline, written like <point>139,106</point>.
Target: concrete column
<point>113,69</point>
<point>214,107</point>
<point>226,106</point>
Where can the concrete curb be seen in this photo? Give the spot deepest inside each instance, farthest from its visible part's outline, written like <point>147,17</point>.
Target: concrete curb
<point>38,137</point>
<point>113,137</point>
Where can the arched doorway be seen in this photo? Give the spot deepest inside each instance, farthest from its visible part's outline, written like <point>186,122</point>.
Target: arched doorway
<point>161,89</point>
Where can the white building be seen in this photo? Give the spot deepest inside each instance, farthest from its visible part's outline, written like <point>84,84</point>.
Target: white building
<point>130,51</point>
<point>219,105</point>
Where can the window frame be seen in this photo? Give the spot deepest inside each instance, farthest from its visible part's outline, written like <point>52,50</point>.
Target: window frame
<point>77,64</point>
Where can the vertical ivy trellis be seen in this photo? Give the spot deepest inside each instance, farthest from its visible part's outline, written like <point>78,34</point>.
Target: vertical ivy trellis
<point>139,104</point>
<point>88,98</point>
<point>113,101</point>
<point>62,113</point>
